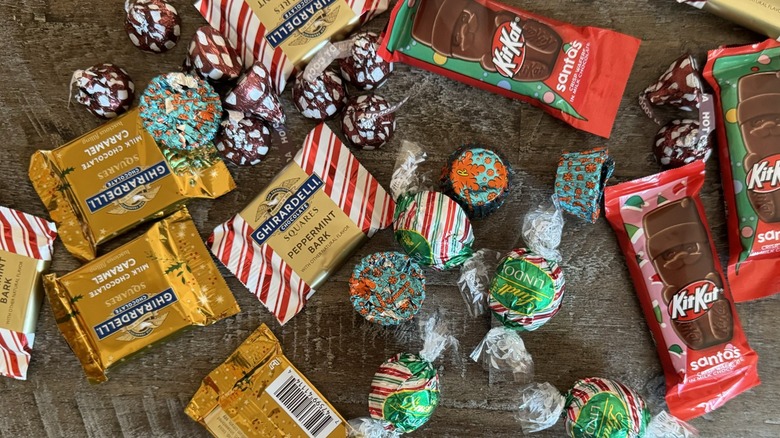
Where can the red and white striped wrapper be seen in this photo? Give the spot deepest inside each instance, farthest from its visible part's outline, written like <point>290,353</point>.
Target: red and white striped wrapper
<point>351,187</point>
<point>29,236</point>
<point>236,21</point>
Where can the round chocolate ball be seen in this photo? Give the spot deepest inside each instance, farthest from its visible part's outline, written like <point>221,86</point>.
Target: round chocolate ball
<point>365,69</point>
<point>320,99</point>
<point>607,407</point>
<point>212,57</point>
<point>368,121</point>
<point>245,141</point>
<point>105,89</point>
<point>152,25</point>
<point>676,144</point>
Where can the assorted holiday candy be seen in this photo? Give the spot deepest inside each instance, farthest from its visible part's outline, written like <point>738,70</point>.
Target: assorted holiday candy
<point>243,140</point>
<point>152,25</point>
<point>169,283</point>
<point>212,57</point>
<point>26,246</point>
<point>105,89</point>
<point>660,224</point>
<point>477,178</point>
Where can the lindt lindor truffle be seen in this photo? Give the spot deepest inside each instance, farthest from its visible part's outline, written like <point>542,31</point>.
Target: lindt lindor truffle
<point>243,140</point>
<point>368,121</point>
<point>527,290</point>
<point>253,28</point>
<point>387,288</point>
<point>760,16</point>
<point>26,246</point>
<point>181,111</point>
<point>303,225</point>
<point>746,84</point>
<point>679,143</point>
<point>254,95</point>
<point>477,178</point>
<point>256,393</point>
<point>660,225</point>
<point>580,181</point>
<point>364,68</point>
<point>320,99</point>
<point>139,294</point>
<point>105,89</point>
<point>405,389</point>
<point>212,57</point>
<point>152,25</point>
<point>115,177</point>
<point>576,74</point>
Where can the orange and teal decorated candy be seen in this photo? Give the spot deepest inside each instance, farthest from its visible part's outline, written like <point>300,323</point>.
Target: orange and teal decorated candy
<point>603,408</point>
<point>526,291</point>
<point>387,288</point>
<point>433,229</point>
<point>181,111</point>
<point>404,392</point>
<point>477,178</point>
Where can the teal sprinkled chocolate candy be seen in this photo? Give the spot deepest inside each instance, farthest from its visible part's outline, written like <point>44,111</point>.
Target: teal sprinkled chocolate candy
<point>181,111</point>
<point>387,288</point>
<point>477,178</point>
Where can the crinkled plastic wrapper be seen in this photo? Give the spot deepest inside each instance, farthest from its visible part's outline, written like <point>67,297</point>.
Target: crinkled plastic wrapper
<point>26,243</point>
<point>303,225</point>
<point>257,392</point>
<point>115,177</point>
<point>141,293</point>
<point>285,34</point>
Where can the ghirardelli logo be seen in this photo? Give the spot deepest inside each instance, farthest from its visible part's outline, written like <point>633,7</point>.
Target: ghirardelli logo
<point>509,48</point>
<point>694,300</point>
<point>275,199</point>
<point>764,176</point>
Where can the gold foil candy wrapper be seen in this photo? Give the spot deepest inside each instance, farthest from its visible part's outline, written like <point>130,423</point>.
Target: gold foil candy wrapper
<point>257,392</point>
<point>303,225</point>
<point>144,291</point>
<point>761,16</point>
<point>115,177</point>
<point>26,243</point>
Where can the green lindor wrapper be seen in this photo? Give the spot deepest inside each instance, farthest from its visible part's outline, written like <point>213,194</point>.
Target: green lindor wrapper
<point>404,392</point>
<point>603,408</point>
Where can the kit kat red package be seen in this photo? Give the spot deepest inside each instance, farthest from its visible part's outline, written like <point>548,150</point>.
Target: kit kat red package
<point>661,227</point>
<point>577,74</point>
<point>746,81</point>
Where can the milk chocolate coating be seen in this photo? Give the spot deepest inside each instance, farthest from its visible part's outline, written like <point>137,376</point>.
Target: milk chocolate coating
<point>679,247</point>
<point>465,29</point>
<point>758,115</point>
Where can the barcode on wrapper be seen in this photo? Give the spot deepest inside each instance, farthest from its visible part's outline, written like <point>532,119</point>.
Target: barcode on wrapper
<point>302,403</point>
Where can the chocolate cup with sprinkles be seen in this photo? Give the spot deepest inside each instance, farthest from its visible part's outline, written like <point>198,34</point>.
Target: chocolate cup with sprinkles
<point>387,288</point>
<point>477,178</point>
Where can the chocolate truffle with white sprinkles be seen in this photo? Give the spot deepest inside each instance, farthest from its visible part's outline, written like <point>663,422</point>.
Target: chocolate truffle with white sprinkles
<point>152,25</point>
<point>368,122</point>
<point>254,95</point>
<point>105,89</point>
<point>320,99</point>
<point>679,143</point>
<point>365,69</point>
<point>243,141</point>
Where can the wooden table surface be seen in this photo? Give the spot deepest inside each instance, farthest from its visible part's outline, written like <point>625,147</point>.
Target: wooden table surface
<point>599,332</point>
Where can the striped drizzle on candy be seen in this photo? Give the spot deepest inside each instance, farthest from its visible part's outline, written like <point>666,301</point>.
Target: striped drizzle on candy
<point>236,21</point>
<point>29,236</point>
<point>347,183</point>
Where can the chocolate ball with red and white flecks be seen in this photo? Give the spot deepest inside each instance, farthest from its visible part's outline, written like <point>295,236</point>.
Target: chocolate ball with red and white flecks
<point>321,99</point>
<point>365,69</point>
<point>679,143</point>
<point>212,57</point>
<point>243,140</point>
<point>254,95</point>
<point>105,89</point>
<point>368,121</point>
<point>152,25</point>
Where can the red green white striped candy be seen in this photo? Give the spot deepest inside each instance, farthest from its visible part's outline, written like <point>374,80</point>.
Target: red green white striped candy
<point>526,291</point>
<point>404,392</point>
<point>603,408</point>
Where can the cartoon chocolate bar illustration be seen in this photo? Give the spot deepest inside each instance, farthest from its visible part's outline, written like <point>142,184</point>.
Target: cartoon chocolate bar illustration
<point>758,115</point>
<point>680,251</point>
<point>465,29</point>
